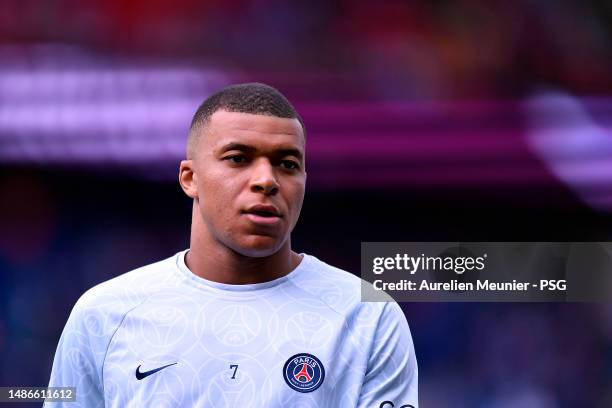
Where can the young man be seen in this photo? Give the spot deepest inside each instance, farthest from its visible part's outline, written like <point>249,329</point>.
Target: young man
<point>238,319</point>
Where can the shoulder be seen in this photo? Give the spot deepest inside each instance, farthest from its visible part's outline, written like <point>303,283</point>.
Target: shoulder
<point>340,289</point>
<point>105,304</point>
<point>98,314</point>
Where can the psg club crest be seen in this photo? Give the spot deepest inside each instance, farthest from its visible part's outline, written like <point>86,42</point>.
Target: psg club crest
<point>304,372</point>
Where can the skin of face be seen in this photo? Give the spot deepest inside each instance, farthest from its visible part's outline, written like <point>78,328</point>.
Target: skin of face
<point>239,162</point>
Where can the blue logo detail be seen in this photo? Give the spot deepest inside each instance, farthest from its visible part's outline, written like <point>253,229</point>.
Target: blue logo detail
<point>304,372</point>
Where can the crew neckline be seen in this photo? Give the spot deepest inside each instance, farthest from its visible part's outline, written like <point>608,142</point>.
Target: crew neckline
<point>237,288</point>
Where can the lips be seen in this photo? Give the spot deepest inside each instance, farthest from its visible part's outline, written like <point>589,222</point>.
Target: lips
<point>264,210</point>
<point>263,214</point>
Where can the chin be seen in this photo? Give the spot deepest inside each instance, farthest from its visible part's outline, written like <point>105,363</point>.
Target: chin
<point>258,246</point>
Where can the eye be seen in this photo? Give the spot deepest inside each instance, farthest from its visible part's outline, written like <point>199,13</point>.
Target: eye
<point>236,159</point>
<point>290,165</point>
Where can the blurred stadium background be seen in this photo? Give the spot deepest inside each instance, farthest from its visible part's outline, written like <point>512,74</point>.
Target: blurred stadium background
<point>462,120</point>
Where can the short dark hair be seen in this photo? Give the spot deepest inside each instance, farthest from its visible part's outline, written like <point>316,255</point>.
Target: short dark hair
<point>255,98</point>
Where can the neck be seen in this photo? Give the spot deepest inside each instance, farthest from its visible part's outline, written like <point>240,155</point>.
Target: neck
<point>212,260</point>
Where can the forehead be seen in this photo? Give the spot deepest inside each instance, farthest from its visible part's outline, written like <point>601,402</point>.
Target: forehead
<point>259,131</point>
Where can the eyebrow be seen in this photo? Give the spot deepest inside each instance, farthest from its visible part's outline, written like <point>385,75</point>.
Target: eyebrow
<point>289,151</point>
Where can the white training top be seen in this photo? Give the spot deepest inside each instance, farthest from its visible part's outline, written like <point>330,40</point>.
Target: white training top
<point>160,336</point>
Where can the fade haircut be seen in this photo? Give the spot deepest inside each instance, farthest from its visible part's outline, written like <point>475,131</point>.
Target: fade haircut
<point>255,98</point>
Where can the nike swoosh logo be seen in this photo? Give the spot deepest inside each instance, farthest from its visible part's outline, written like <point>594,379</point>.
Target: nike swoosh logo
<point>142,374</point>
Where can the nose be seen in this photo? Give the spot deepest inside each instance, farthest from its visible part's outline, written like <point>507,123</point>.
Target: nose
<point>263,178</point>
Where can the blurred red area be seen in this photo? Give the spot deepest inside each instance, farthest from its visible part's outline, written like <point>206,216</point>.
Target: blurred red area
<point>449,49</point>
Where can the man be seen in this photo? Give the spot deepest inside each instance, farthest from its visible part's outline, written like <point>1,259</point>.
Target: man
<point>238,319</point>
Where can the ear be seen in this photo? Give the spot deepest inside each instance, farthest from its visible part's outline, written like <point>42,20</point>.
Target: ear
<point>188,178</point>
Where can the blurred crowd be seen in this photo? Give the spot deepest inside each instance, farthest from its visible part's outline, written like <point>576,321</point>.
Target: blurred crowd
<point>394,49</point>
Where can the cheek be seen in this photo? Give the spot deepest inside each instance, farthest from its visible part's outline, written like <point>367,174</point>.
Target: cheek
<point>217,204</point>
<point>295,201</point>
<point>218,194</point>
<point>211,195</point>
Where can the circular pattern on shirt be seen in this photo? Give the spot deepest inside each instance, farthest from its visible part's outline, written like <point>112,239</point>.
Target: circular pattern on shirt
<point>309,329</point>
<point>236,325</point>
<point>220,385</point>
<point>223,325</point>
<point>162,326</point>
<point>304,372</point>
<point>165,388</point>
<point>329,292</point>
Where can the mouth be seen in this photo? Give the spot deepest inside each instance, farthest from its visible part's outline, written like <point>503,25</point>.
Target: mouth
<point>263,214</point>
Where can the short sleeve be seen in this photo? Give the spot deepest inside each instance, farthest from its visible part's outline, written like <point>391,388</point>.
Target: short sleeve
<point>391,379</point>
<point>75,364</point>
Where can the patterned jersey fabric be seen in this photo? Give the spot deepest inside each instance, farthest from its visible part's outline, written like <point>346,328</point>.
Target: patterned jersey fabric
<point>160,336</point>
